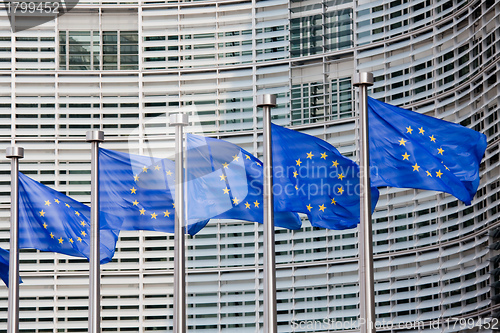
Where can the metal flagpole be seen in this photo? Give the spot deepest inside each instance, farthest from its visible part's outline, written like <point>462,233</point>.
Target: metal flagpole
<point>366,286</point>
<point>94,137</point>
<point>267,101</point>
<point>15,153</point>
<point>180,323</point>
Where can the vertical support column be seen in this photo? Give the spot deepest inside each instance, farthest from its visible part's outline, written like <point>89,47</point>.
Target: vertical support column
<point>366,284</point>
<point>14,153</point>
<point>267,101</point>
<point>94,137</point>
<point>180,322</point>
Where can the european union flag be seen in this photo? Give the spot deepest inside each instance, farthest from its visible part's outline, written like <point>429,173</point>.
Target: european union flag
<point>411,150</point>
<point>140,190</point>
<point>51,221</point>
<point>225,181</point>
<point>312,177</point>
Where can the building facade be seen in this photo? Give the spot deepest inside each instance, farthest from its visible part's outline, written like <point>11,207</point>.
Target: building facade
<point>124,66</point>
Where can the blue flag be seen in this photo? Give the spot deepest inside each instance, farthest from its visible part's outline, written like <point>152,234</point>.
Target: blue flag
<point>51,221</point>
<point>4,266</point>
<point>225,181</point>
<point>312,177</point>
<point>140,190</point>
<point>411,150</point>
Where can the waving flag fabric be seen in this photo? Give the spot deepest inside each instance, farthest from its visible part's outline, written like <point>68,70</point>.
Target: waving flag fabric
<point>4,266</point>
<point>233,178</point>
<point>411,150</point>
<point>140,190</point>
<point>312,177</point>
<point>51,221</point>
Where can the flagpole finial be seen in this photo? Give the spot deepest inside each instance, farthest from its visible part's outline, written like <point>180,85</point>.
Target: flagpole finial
<point>266,100</point>
<point>363,78</point>
<point>180,119</point>
<point>12,152</point>
<point>94,136</point>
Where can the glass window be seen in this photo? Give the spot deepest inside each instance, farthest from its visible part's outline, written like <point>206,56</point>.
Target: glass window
<point>81,50</point>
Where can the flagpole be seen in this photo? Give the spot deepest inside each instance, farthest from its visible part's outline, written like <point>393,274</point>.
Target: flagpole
<point>14,153</point>
<point>94,137</point>
<point>366,285</point>
<point>180,323</point>
<point>267,101</point>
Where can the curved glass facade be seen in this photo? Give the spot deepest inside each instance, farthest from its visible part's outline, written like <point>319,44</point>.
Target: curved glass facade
<point>123,66</point>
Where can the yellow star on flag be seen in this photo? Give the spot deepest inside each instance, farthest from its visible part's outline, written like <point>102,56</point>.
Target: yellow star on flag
<point>433,139</point>
<point>132,190</point>
<point>440,151</point>
<point>341,176</point>
<point>84,233</point>
<point>296,187</point>
<point>322,208</point>
<point>309,207</point>
<point>235,201</point>
<point>68,206</point>
<point>324,155</point>
<point>236,158</point>
<point>56,201</point>
<point>256,204</point>
<point>71,240</point>
<point>409,129</point>
<point>166,213</point>
<point>42,213</point>
<point>45,225</point>
<point>226,190</point>
<point>439,173</point>
<point>223,177</point>
<point>310,155</point>
<point>295,173</point>
<point>421,130</point>
<point>135,203</point>
<point>405,156</point>
<point>247,157</point>
<point>299,162</point>
<point>61,240</point>
<point>136,178</point>
<point>428,173</point>
<point>225,165</point>
<point>83,223</point>
<point>157,167</point>
<point>402,142</point>
<point>416,167</point>
<point>247,205</point>
<point>340,190</point>
<point>77,213</point>
<point>47,203</point>
<point>79,239</point>
<point>144,169</point>
<point>153,216</point>
<point>335,164</point>
<point>169,173</point>
<point>333,201</point>
<point>142,211</point>
<point>51,235</point>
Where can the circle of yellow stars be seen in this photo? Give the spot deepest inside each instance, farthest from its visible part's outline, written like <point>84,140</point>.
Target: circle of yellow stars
<point>340,176</point>
<point>133,190</point>
<point>61,240</point>
<point>226,190</point>
<point>416,167</point>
